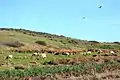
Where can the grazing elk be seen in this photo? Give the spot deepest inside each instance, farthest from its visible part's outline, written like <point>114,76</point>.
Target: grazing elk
<point>89,52</point>
<point>9,56</point>
<point>100,51</point>
<point>35,54</point>
<point>43,55</point>
<point>86,53</point>
<point>112,52</point>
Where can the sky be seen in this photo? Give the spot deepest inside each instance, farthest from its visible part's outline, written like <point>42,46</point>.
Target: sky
<point>64,17</point>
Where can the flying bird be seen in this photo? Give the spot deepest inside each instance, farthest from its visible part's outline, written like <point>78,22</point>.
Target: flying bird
<point>100,6</point>
<point>83,17</point>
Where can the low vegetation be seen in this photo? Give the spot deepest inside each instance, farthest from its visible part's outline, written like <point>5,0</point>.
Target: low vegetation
<point>83,68</point>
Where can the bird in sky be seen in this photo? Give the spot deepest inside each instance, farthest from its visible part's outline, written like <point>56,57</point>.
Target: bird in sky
<point>100,6</point>
<point>83,17</point>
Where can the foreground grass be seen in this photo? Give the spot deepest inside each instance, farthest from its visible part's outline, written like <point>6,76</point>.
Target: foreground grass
<point>83,68</point>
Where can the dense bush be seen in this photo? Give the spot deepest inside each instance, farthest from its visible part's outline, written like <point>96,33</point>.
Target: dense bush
<point>117,43</point>
<point>41,43</point>
<point>13,44</point>
<point>94,42</point>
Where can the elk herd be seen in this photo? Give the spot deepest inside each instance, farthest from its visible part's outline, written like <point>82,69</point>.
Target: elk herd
<point>43,53</point>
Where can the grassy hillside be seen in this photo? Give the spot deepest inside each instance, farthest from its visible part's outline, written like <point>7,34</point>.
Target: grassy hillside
<point>8,36</point>
<point>23,43</point>
<point>29,37</point>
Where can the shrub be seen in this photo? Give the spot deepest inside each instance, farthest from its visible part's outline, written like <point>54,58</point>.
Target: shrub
<point>94,42</point>
<point>41,43</point>
<point>13,44</point>
<point>117,43</point>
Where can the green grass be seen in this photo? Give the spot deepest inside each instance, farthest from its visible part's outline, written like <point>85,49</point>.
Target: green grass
<point>25,59</point>
<point>83,68</point>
